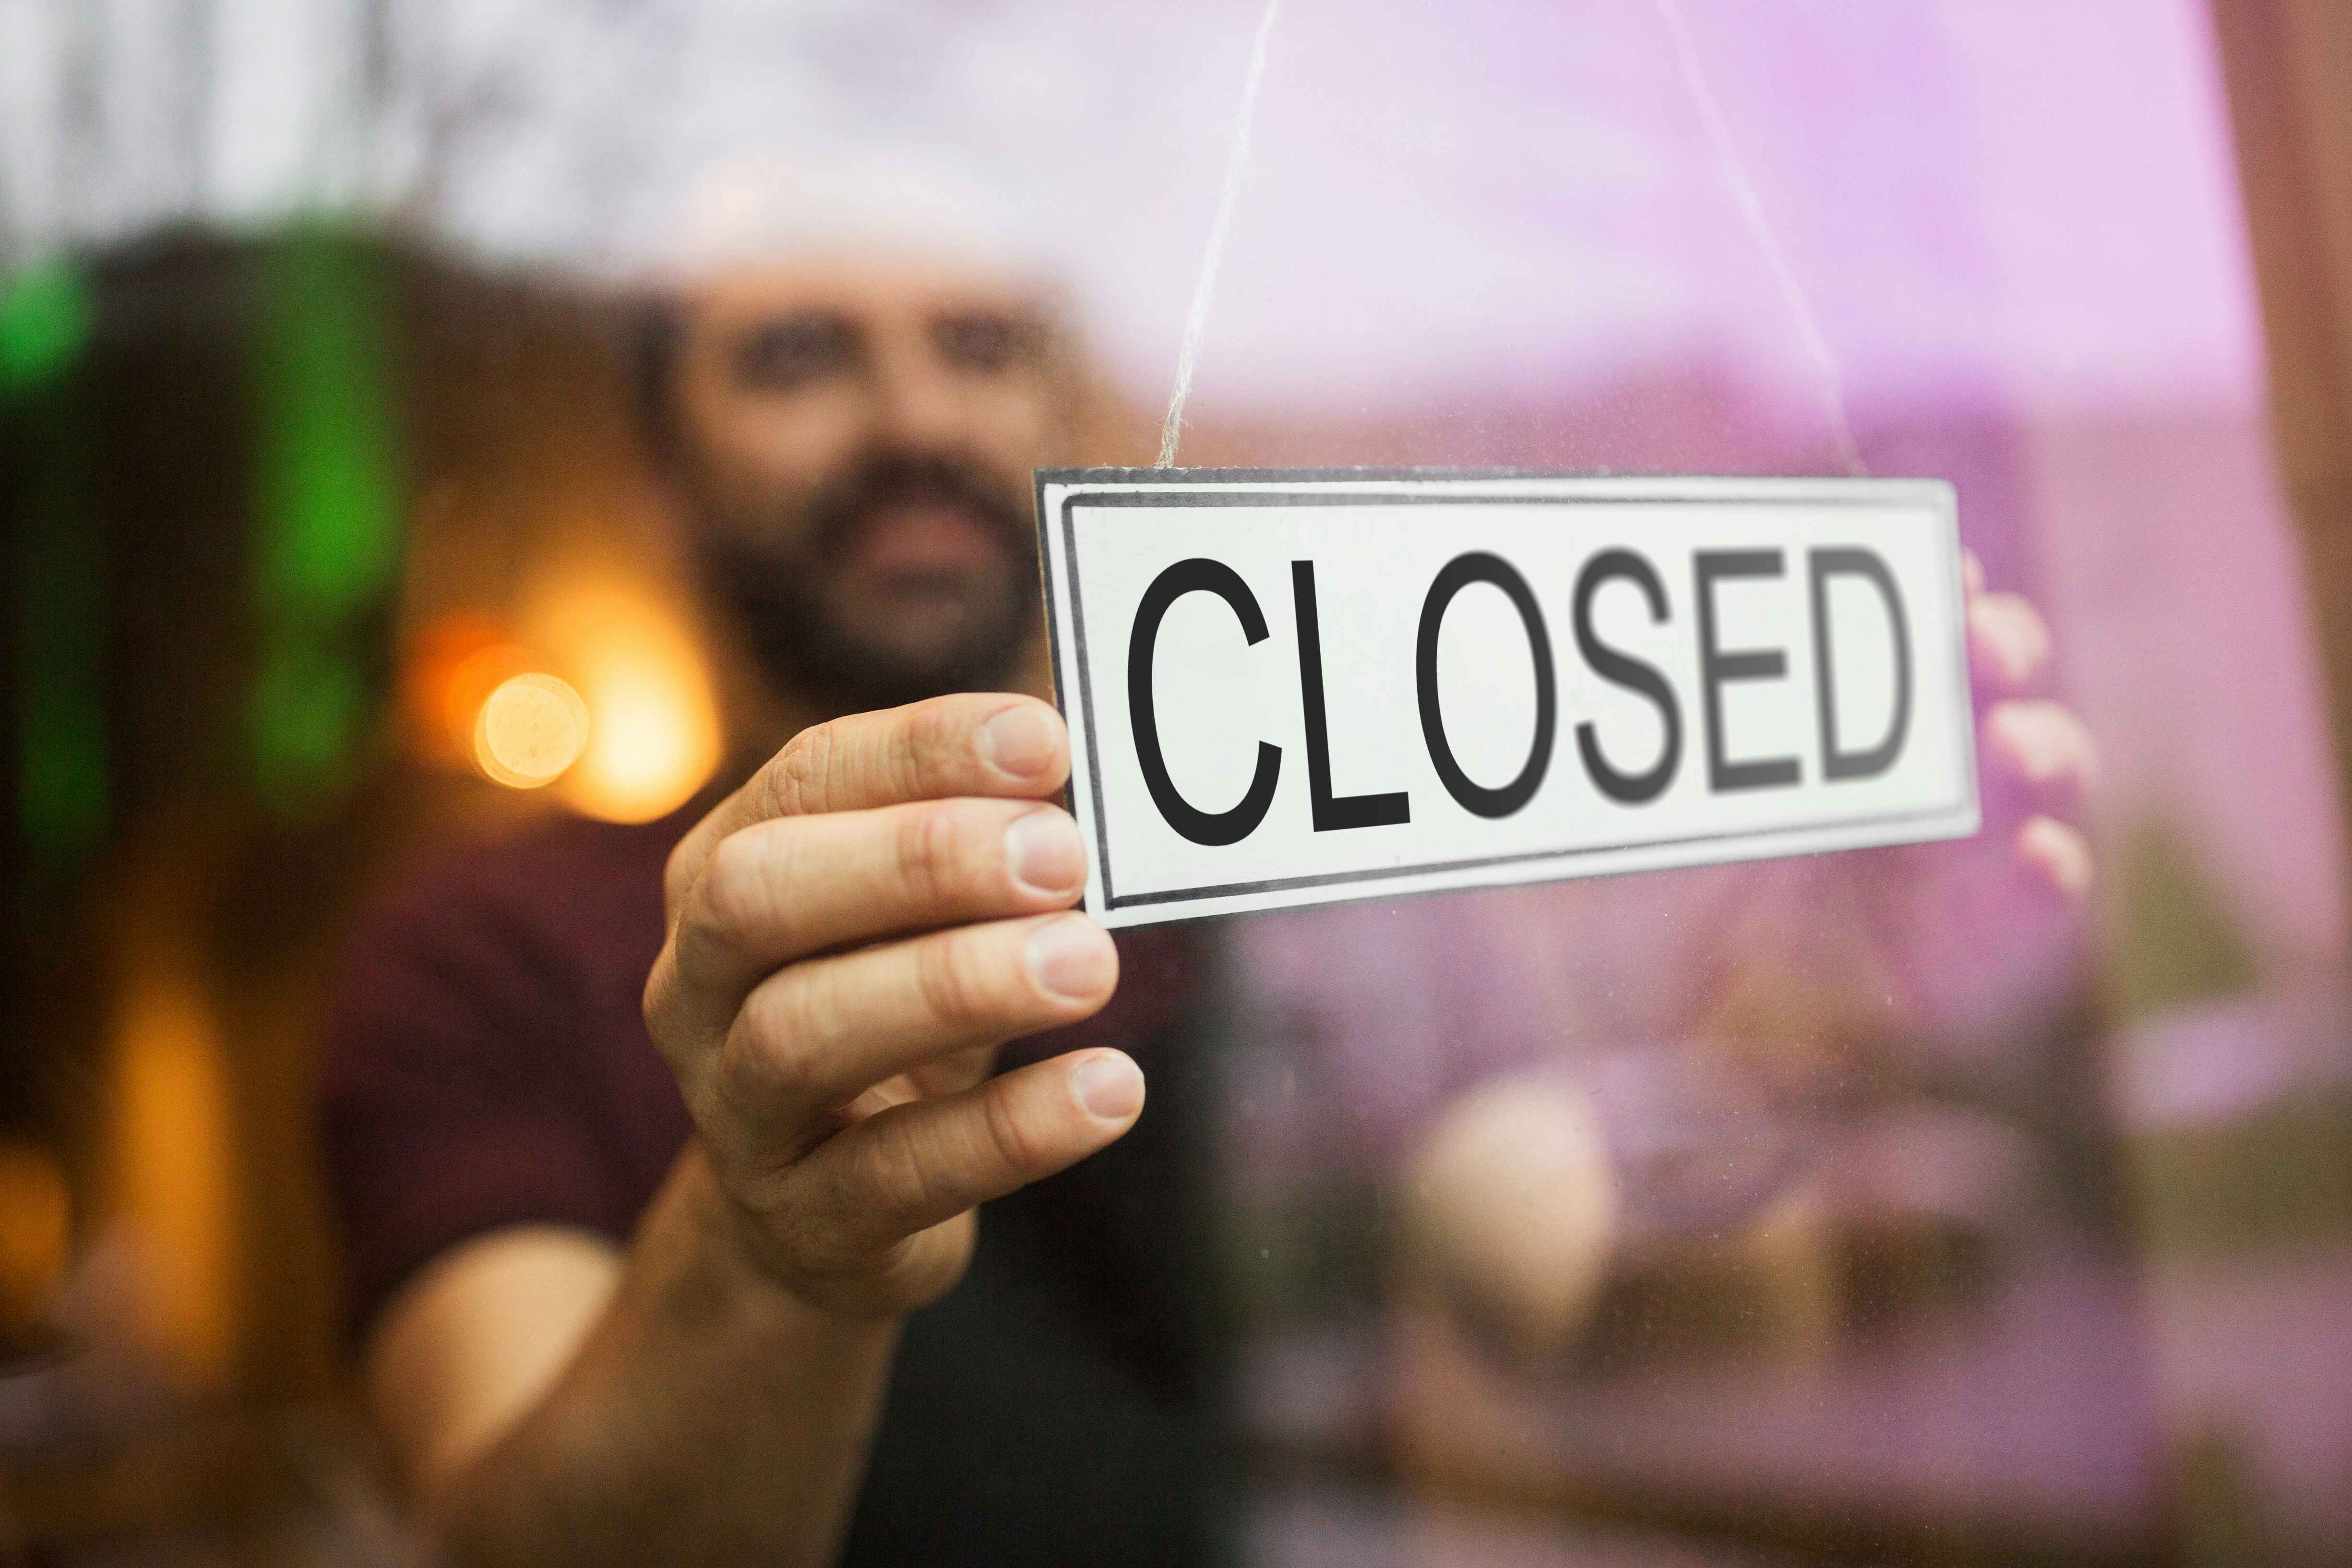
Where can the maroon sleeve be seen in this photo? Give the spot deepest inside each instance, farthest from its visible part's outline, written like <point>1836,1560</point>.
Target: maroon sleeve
<point>454,1088</point>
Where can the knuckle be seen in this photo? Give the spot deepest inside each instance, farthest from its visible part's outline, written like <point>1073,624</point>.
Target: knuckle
<point>915,745</point>
<point>952,981</point>
<point>914,856</point>
<point>738,891</point>
<point>929,854</point>
<point>659,999</point>
<point>1009,1139</point>
<point>888,1179</point>
<point>771,1055</point>
<point>937,725</point>
<point>795,779</point>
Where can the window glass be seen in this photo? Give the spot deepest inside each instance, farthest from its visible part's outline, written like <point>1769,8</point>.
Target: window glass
<point>1980,1200</point>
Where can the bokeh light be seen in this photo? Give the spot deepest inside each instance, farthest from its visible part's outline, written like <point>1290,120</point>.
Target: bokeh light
<point>530,728</point>
<point>35,1224</point>
<point>653,735</point>
<point>173,1168</point>
<point>596,682</point>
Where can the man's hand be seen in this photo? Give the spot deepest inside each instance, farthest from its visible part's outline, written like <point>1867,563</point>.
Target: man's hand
<point>1981,931</point>
<point>851,935</point>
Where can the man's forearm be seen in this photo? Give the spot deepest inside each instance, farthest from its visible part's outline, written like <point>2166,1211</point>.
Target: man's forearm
<point>708,1418</point>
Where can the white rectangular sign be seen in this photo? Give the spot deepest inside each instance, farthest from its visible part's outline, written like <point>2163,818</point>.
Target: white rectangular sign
<point>1293,688</point>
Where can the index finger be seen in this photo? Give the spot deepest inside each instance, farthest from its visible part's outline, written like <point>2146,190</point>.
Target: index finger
<point>968,744</point>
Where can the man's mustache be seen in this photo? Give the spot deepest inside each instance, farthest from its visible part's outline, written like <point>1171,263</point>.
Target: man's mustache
<point>843,508</point>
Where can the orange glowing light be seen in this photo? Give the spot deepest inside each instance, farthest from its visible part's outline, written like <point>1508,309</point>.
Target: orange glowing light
<point>654,732</point>
<point>35,1223</point>
<point>529,730</point>
<point>466,687</point>
<point>448,670</point>
<point>173,1166</point>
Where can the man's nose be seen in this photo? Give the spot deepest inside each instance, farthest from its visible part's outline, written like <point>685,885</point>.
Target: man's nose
<point>921,403</point>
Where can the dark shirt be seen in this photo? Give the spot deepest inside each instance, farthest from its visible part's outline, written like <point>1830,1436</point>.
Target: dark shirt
<point>488,1066</point>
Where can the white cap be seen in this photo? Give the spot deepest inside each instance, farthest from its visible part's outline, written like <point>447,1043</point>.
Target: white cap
<point>776,205</point>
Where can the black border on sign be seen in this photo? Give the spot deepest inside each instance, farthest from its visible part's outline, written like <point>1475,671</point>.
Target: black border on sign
<point>1801,493</point>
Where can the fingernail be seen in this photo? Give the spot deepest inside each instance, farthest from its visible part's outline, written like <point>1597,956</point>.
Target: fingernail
<point>1108,1086</point>
<point>2059,851</point>
<point>2026,734</point>
<point>1044,854</point>
<point>1073,958</point>
<point>1021,741</point>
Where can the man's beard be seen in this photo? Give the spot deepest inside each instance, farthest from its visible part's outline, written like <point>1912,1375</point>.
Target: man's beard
<point>781,584</point>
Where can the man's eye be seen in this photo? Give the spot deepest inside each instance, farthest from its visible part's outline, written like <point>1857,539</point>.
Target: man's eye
<point>989,344</point>
<point>783,355</point>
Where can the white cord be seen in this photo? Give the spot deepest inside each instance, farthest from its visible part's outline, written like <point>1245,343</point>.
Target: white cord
<point>1237,164</point>
<point>1751,208</point>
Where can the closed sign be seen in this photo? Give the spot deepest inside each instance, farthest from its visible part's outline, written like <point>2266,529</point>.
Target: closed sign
<point>1293,688</point>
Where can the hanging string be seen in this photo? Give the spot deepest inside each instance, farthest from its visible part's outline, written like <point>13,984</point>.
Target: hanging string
<point>1752,209</point>
<point>1237,164</point>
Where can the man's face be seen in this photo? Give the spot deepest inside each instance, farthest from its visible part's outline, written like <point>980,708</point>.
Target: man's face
<point>857,439</point>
